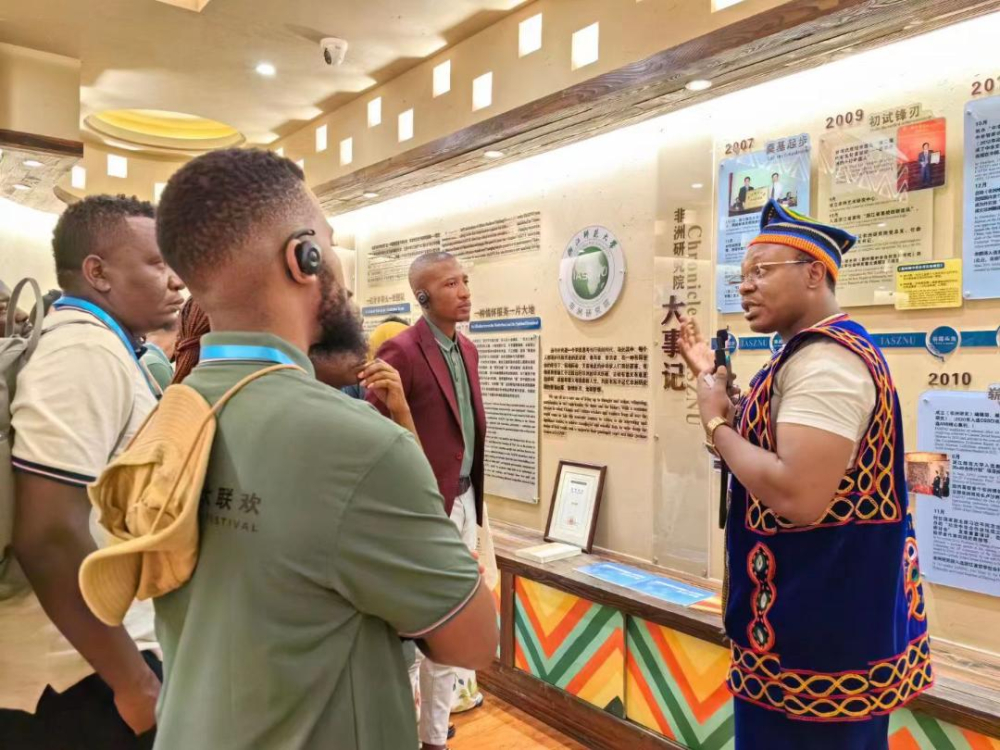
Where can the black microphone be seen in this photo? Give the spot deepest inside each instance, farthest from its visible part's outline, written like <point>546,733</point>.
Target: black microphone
<point>722,360</point>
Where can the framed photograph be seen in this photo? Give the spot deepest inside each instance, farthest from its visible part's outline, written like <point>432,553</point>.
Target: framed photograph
<point>576,498</point>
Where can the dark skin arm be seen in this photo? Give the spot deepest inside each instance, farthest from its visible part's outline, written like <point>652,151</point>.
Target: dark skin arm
<point>469,639</point>
<point>51,539</point>
<point>799,481</point>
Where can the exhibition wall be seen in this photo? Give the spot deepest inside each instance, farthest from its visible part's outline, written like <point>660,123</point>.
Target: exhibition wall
<point>658,192</point>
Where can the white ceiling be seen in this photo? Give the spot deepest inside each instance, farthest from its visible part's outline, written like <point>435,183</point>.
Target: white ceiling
<point>145,54</point>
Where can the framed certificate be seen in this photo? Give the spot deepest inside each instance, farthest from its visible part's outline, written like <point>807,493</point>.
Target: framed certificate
<point>576,498</point>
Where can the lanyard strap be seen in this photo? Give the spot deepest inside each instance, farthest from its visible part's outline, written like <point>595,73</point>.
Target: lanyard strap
<point>75,303</point>
<point>219,353</point>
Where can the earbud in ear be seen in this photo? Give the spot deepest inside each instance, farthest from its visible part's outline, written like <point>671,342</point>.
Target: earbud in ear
<point>423,297</point>
<point>308,256</point>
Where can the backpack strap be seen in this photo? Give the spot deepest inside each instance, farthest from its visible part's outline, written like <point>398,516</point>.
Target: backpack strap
<point>36,329</point>
<point>205,422</point>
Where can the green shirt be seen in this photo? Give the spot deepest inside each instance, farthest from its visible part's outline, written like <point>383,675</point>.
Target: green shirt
<point>322,539</point>
<point>158,364</point>
<point>463,394</point>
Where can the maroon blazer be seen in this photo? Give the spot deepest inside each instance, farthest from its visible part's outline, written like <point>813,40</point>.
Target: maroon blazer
<point>415,353</point>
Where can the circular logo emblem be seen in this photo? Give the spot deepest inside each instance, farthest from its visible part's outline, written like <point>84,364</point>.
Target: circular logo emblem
<point>591,273</point>
<point>942,341</point>
<point>776,343</point>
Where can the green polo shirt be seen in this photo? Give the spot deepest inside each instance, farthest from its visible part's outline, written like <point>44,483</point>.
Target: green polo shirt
<point>158,364</point>
<point>463,394</point>
<point>322,540</point>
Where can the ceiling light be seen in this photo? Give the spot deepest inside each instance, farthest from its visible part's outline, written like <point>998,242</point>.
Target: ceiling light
<point>266,69</point>
<point>529,35</point>
<point>699,84</point>
<point>493,154</point>
<point>482,92</point>
<point>405,125</point>
<point>32,163</point>
<point>20,186</point>
<point>585,46</point>
<point>697,185</point>
<point>78,177</point>
<point>375,112</point>
<point>369,195</point>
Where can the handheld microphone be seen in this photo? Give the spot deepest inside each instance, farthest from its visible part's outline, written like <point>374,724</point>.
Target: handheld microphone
<point>722,360</point>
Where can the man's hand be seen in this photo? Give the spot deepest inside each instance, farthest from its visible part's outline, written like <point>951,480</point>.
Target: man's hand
<point>137,704</point>
<point>384,380</point>
<point>713,396</point>
<point>694,349</point>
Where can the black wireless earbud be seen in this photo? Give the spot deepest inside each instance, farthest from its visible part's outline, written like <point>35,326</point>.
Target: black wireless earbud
<point>307,252</point>
<point>423,297</point>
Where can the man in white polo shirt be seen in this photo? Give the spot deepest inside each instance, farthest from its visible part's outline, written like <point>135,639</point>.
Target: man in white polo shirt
<point>66,679</point>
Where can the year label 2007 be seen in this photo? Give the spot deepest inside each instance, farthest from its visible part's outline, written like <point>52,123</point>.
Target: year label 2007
<point>737,147</point>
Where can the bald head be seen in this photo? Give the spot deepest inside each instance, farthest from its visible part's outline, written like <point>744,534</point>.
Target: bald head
<point>426,267</point>
<point>441,286</point>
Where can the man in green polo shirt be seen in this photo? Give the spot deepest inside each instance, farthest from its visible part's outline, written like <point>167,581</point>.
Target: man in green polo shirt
<point>323,538</point>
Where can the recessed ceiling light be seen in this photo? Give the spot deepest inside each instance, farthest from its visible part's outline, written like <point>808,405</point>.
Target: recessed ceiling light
<point>369,195</point>
<point>266,69</point>
<point>699,84</point>
<point>19,186</point>
<point>697,185</point>
<point>493,154</point>
<point>32,163</point>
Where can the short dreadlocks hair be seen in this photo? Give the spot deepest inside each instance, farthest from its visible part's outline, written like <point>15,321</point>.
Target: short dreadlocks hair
<point>213,205</point>
<point>86,226</point>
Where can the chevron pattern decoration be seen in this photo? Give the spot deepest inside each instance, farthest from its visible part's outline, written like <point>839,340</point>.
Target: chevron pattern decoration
<point>912,730</point>
<point>570,643</point>
<point>676,686</point>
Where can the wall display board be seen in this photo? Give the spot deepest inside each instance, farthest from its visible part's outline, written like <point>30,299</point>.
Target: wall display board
<point>508,373</point>
<point>595,415</point>
<point>981,224</point>
<point>591,368</point>
<point>746,183</point>
<point>958,533</point>
<point>389,262</point>
<point>877,184</point>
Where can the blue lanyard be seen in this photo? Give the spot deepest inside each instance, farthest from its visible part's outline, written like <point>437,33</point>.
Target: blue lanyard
<point>218,353</point>
<point>75,303</point>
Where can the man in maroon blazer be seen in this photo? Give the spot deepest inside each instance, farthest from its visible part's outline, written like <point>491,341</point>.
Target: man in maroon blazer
<point>439,369</point>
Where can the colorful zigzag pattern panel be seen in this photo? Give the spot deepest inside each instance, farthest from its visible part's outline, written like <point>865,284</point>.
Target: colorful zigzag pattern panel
<point>570,643</point>
<point>676,686</point>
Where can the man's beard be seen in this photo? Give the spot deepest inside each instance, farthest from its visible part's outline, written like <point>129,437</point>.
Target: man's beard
<point>341,327</point>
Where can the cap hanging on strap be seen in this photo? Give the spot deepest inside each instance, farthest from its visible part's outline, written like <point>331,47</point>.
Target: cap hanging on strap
<point>826,243</point>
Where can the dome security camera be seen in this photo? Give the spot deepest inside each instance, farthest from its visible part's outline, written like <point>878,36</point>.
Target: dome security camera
<point>334,50</point>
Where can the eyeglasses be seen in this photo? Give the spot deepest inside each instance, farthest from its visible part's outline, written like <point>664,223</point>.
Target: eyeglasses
<point>759,270</point>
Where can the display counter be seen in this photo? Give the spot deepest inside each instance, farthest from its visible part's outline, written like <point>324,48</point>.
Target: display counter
<point>615,668</point>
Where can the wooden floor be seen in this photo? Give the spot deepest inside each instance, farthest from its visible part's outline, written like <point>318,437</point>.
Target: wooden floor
<point>500,726</point>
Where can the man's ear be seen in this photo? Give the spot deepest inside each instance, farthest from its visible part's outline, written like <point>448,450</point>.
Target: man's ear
<point>94,273</point>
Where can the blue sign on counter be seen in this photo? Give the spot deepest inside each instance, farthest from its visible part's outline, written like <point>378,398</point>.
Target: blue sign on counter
<point>374,311</point>
<point>505,324</point>
<point>646,583</point>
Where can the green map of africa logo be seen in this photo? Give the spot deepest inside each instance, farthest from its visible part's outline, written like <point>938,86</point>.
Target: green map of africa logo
<point>590,273</point>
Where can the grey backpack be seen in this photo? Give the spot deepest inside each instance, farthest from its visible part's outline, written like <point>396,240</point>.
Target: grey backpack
<point>15,351</point>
